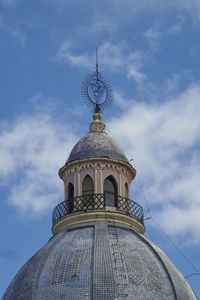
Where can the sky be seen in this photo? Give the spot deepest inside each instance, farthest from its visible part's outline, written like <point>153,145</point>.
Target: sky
<point>149,51</point>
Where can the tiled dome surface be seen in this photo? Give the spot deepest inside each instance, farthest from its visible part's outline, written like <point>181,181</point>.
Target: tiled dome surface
<point>97,144</point>
<point>99,262</point>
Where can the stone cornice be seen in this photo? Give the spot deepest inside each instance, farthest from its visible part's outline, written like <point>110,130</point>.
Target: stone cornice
<point>97,163</point>
<point>93,216</point>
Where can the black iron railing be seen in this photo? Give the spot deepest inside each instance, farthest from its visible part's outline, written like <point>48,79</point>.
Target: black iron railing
<point>97,202</point>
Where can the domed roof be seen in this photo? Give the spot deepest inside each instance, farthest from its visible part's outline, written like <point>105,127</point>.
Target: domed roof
<point>97,143</point>
<point>100,262</point>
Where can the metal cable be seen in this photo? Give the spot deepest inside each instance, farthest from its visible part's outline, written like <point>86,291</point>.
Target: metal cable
<point>197,272</point>
<point>163,232</point>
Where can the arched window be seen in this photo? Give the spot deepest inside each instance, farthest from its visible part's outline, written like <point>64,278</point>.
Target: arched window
<point>87,192</point>
<point>70,198</point>
<point>126,190</point>
<point>88,187</point>
<point>110,191</point>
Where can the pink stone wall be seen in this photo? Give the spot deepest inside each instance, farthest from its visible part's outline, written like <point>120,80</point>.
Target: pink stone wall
<point>70,179</point>
<point>98,176</point>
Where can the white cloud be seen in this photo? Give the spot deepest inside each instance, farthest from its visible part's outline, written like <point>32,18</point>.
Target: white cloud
<point>102,22</point>
<point>163,139</point>
<point>177,27</point>
<point>192,7</point>
<point>155,33</point>
<point>121,101</point>
<point>136,75</point>
<point>32,150</point>
<point>115,58</point>
<point>18,35</point>
<point>152,35</point>
<point>65,54</point>
<point>12,31</point>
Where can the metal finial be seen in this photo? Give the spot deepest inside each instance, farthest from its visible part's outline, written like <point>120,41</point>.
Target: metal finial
<point>96,91</point>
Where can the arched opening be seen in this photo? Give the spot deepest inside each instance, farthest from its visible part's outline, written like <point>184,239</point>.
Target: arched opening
<point>87,192</point>
<point>126,190</point>
<point>110,191</point>
<point>70,198</point>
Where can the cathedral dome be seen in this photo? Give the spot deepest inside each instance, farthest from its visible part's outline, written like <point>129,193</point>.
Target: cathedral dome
<point>97,143</point>
<point>99,261</point>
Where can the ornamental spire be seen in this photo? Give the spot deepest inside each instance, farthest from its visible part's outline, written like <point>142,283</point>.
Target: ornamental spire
<point>96,91</point>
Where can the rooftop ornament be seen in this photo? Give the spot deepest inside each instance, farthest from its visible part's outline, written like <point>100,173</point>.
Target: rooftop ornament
<point>96,91</point>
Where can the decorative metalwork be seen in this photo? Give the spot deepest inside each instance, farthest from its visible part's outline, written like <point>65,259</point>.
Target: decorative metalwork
<point>97,202</point>
<point>96,91</point>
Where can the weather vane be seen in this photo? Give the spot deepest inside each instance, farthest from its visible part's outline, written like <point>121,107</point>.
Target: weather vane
<point>96,91</point>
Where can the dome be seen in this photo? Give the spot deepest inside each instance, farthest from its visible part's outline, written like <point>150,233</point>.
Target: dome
<point>99,261</point>
<point>96,144</point>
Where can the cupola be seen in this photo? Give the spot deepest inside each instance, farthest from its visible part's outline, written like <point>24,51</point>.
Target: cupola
<point>97,178</point>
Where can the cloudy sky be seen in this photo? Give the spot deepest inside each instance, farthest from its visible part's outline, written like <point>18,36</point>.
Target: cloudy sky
<point>149,51</point>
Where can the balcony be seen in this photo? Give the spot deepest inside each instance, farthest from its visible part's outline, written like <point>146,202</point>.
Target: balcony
<point>97,202</point>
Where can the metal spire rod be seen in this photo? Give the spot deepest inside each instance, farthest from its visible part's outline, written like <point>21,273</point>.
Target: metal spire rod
<point>97,61</point>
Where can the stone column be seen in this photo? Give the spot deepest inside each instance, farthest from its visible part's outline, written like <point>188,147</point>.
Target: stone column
<point>75,185</point>
<point>101,181</point>
<point>120,185</point>
<point>79,192</point>
<point>96,177</point>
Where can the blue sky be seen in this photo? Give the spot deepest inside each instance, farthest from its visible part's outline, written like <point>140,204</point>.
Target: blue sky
<point>149,51</point>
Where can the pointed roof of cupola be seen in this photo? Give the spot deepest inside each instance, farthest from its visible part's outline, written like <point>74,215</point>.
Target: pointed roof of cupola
<point>97,143</point>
